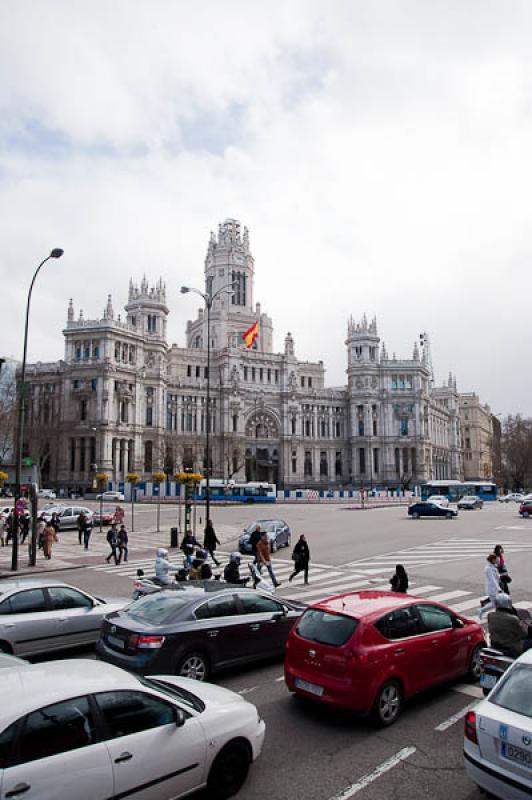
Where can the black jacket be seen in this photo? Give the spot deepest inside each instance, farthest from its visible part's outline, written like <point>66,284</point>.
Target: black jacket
<point>398,583</point>
<point>210,540</point>
<point>253,539</point>
<point>301,553</point>
<point>188,544</point>
<point>232,574</point>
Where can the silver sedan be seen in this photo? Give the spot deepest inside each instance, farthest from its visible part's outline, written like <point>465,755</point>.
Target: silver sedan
<point>39,616</point>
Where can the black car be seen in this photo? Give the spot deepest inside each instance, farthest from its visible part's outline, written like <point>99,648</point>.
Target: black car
<point>197,631</point>
<point>417,510</point>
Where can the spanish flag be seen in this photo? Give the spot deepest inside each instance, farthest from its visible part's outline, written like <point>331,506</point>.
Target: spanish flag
<point>251,334</point>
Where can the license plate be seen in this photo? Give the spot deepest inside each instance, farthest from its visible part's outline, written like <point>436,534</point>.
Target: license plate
<point>516,754</point>
<point>487,681</point>
<point>114,641</point>
<point>312,688</point>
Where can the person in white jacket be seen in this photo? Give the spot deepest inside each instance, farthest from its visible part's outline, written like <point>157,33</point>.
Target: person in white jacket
<point>492,583</point>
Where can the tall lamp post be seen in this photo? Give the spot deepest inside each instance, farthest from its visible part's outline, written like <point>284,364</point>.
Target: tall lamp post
<point>56,253</point>
<point>208,299</point>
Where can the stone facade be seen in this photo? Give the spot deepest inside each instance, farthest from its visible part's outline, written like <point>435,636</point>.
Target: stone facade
<point>477,438</point>
<point>124,400</point>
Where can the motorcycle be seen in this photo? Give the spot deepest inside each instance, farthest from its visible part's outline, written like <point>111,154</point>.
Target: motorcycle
<point>494,663</point>
<point>148,585</point>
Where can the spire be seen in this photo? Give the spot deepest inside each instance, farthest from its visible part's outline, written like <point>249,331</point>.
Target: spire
<point>81,315</point>
<point>70,313</point>
<point>426,359</point>
<point>131,290</point>
<point>289,345</point>
<point>384,353</point>
<point>109,312</point>
<point>415,354</point>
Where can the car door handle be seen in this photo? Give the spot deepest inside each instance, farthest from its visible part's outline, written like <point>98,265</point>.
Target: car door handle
<point>125,756</point>
<point>20,788</point>
<point>399,650</point>
<point>9,625</point>
<point>434,642</point>
<point>63,619</point>
<point>212,634</point>
<point>254,627</point>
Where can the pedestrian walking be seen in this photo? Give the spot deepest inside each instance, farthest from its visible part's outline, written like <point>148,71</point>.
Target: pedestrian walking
<point>49,537</point>
<point>3,531</point>
<point>24,522</point>
<point>188,543</point>
<point>54,522</point>
<point>41,525</point>
<point>112,539</point>
<point>399,580</point>
<point>504,576</point>
<point>301,558</point>
<point>210,540</point>
<point>10,526</point>
<point>119,515</point>
<point>264,559</point>
<point>254,540</point>
<point>87,531</point>
<point>492,584</point>
<point>81,527</point>
<point>122,541</point>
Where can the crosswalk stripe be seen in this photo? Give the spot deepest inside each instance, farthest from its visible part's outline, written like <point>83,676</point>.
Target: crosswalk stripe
<point>472,603</point>
<point>351,585</point>
<point>440,598</point>
<point>425,589</point>
<point>524,604</point>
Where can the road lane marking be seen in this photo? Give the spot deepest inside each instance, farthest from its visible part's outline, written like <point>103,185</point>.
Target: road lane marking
<point>248,690</point>
<point>454,718</point>
<point>448,595</point>
<point>370,777</point>
<point>466,688</point>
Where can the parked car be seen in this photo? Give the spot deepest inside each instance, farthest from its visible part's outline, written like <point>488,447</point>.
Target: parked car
<point>372,650</point>
<point>6,510</point>
<point>278,531</point>
<point>498,735</point>
<point>525,509</point>
<point>86,730</point>
<point>512,497</point>
<point>197,631</point>
<point>441,499</point>
<point>67,515</point>
<point>108,496</point>
<point>107,516</point>
<point>39,616</point>
<point>470,502</point>
<point>46,494</point>
<point>426,509</point>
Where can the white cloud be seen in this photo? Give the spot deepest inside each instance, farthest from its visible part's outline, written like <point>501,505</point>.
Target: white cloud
<point>379,154</point>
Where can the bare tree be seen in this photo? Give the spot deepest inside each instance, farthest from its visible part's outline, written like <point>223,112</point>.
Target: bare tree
<point>8,406</point>
<point>516,450</point>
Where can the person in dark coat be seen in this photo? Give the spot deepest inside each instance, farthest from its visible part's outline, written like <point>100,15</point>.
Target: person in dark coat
<point>254,540</point>
<point>210,540</point>
<point>112,539</point>
<point>301,557</point>
<point>122,543</point>
<point>188,543</point>
<point>399,580</point>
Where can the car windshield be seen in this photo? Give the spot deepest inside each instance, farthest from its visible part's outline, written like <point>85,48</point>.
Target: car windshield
<point>157,608</point>
<point>324,628</point>
<point>515,692</point>
<point>265,525</point>
<point>175,692</point>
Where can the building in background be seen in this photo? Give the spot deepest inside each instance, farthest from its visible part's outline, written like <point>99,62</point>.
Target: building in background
<point>8,391</point>
<point>477,425</point>
<point>124,400</point>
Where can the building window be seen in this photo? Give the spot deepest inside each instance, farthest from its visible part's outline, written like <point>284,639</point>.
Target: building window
<point>376,460</point>
<point>294,461</point>
<point>148,456</point>
<point>96,352</point>
<point>394,383</point>
<point>252,373</point>
<point>189,371</point>
<point>152,323</point>
<point>276,376</point>
<point>72,455</point>
<point>94,384</point>
<point>198,372</point>
<point>307,427</point>
<point>261,374</point>
<point>404,427</point>
<point>206,372</point>
<point>75,384</point>
<point>374,426</point>
<point>324,467</point>
<point>83,410</point>
<point>78,353</point>
<point>361,427</point>
<point>123,411</point>
<point>408,382</point>
<point>245,373</point>
<point>310,383</point>
<point>308,464</point>
<point>293,426</point>
<point>397,456</point>
<point>468,444</point>
<point>269,376</point>
<point>362,460</point>
<point>239,288</point>
<point>235,424</point>
<point>338,464</point>
<point>338,429</point>
<point>133,321</point>
<point>302,381</point>
<point>149,416</point>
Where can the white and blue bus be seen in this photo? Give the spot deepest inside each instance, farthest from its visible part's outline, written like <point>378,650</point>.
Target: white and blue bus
<point>454,490</point>
<point>231,491</point>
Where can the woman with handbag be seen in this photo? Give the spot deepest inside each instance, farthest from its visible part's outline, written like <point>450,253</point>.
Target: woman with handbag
<point>301,558</point>
<point>504,576</point>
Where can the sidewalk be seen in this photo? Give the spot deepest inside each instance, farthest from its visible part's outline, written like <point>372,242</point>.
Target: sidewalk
<point>68,554</point>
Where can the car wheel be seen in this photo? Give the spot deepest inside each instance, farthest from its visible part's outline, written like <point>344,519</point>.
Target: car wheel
<point>287,542</point>
<point>5,648</point>
<point>473,670</point>
<point>449,515</point>
<point>194,665</point>
<point>273,546</point>
<point>415,515</point>
<point>229,770</point>
<point>526,514</point>
<point>388,704</point>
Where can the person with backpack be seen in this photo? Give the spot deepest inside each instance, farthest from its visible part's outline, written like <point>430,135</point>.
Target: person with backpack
<point>112,539</point>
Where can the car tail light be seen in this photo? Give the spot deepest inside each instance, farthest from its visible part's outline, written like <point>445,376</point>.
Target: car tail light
<point>141,642</point>
<point>470,727</point>
<point>488,660</point>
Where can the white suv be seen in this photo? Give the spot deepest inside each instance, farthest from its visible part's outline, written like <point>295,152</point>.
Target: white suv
<point>439,499</point>
<point>105,496</point>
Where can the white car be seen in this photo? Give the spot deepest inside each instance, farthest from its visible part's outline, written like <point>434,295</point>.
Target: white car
<point>88,730</point>
<point>498,735</point>
<point>512,497</point>
<point>107,496</point>
<point>439,499</point>
<point>46,494</point>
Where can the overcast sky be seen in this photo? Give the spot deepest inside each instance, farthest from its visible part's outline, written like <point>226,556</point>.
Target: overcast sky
<point>379,152</point>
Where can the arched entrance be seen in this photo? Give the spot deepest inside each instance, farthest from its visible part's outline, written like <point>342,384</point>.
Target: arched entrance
<point>262,447</point>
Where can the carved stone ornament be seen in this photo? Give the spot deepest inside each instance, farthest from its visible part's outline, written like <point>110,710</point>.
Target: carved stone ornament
<point>262,425</point>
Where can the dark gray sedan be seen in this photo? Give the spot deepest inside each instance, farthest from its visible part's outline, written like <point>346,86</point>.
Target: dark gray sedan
<point>39,616</point>
<point>278,531</point>
<point>197,631</point>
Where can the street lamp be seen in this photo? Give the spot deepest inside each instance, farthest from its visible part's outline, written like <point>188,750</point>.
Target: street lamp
<point>56,253</point>
<point>208,299</point>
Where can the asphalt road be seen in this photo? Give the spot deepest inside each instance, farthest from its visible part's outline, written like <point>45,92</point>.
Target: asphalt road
<point>320,754</point>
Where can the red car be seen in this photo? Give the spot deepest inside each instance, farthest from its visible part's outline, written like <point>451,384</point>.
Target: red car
<point>525,509</point>
<point>370,651</point>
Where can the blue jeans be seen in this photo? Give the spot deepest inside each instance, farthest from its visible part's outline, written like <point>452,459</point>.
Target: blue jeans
<point>268,565</point>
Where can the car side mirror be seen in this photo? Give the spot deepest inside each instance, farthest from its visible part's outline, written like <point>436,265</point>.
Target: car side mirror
<point>179,716</point>
<point>457,623</point>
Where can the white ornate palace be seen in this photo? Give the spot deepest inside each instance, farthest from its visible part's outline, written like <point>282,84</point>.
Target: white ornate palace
<point>124,400</point>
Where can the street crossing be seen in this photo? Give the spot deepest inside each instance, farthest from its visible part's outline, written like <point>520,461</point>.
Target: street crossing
<point>435,553</point>
<point>323,582</point>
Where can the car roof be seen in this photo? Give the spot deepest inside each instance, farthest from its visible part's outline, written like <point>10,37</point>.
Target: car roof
<point>26,688</point>
<point>9,585</point>
<point>369,604</point>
